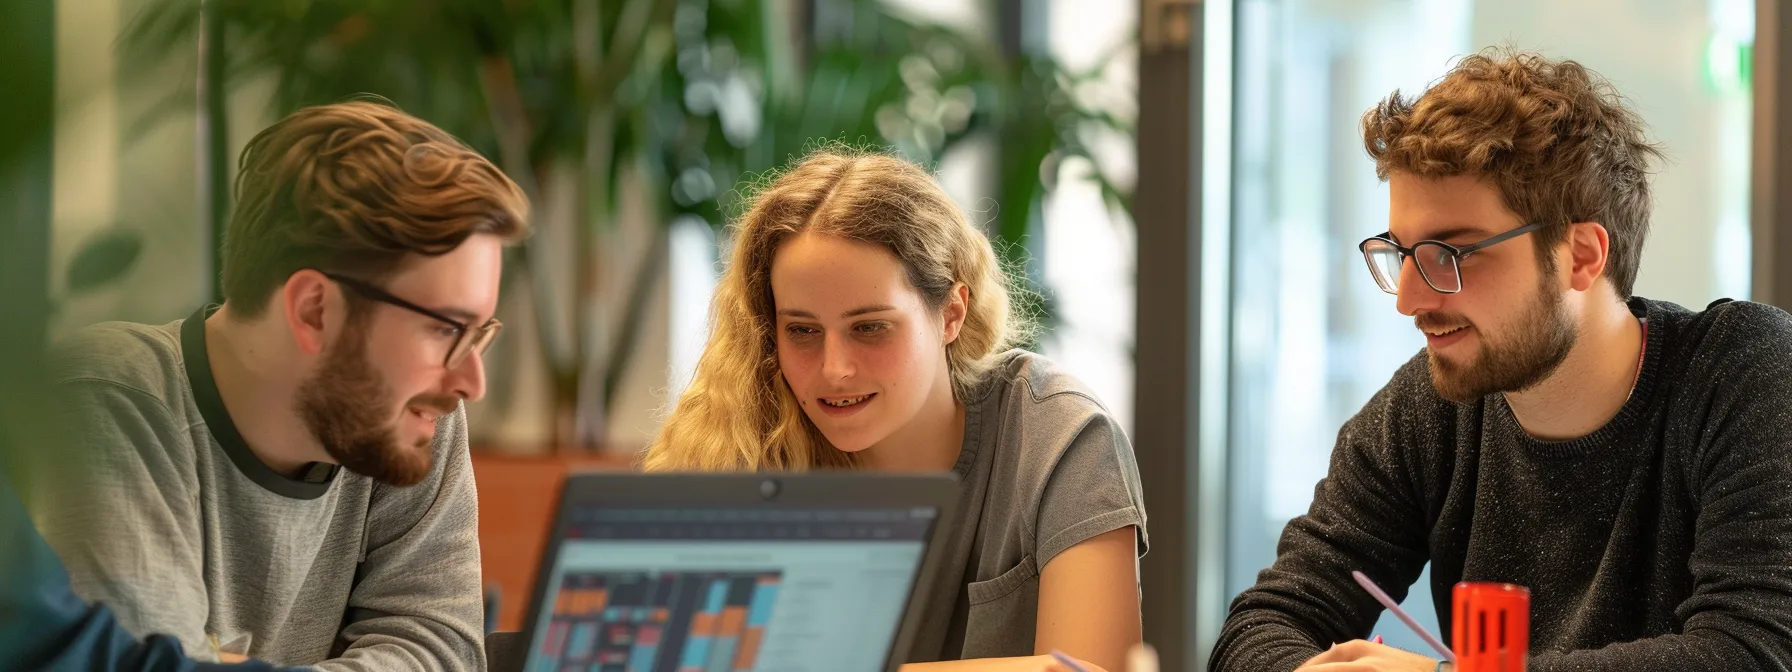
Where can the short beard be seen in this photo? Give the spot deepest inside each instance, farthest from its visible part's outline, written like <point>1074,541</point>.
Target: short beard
<point>1527,354</point>
<point>344,405</point>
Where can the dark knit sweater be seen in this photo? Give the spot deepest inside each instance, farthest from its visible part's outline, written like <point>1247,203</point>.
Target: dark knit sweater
<point>1662,541</point>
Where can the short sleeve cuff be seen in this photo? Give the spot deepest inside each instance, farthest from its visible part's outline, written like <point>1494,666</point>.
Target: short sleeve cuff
<point>1090,528</point>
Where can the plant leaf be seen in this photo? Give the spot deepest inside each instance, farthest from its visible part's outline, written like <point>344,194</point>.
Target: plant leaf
<point>103,260</point>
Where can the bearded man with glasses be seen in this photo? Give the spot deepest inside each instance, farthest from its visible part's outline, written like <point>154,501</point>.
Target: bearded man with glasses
<point>1627,460</point>
<point>286,476</point>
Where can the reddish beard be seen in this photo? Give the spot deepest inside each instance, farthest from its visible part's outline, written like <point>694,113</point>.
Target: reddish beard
<point>345,405</point>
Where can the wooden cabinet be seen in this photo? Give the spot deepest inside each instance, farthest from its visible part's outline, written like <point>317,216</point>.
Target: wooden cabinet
<point>516,507</point>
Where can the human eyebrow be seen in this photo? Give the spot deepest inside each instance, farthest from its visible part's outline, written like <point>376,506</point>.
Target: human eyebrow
<point>461,315</point>
<point>867,310</point>
<point>1458,232</point>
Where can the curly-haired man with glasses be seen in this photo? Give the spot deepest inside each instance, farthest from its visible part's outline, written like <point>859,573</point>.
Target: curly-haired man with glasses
<point>286,476</point>
<point>1627,460</point>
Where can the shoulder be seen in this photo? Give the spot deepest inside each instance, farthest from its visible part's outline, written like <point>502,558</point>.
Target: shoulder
<point>1731,360</point>
<point>1724,372</point>
<point>1037,411</point>
<point>1733,353</point>
<point>1064,464</point>
<point>119,400</point>
<point>1736,333</point>
<point>139,359</point>
<point>1723,312</point>
<point>1041,390</point>
<point>1045,422</point>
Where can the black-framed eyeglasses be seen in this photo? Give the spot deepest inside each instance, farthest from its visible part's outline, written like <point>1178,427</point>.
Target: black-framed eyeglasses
<point>1437,260</point>
<point>467,339</point>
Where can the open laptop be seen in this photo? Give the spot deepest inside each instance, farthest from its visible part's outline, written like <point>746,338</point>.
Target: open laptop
<point>735,572</point>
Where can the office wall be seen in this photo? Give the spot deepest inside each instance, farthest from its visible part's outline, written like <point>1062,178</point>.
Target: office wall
<point>126,148</point>
<point>1677,64</point>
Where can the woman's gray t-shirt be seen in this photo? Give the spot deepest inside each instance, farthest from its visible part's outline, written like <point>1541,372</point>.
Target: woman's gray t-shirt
<point>1044,467</point>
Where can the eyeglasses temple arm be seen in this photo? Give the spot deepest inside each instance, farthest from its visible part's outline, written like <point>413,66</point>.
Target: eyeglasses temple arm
<point>1465,251</point>
<point>383,295</point>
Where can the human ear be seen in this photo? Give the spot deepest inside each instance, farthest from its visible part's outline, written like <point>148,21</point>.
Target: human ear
<point>958,305</point>
<point>1588,248</point>
<point>304,301</point>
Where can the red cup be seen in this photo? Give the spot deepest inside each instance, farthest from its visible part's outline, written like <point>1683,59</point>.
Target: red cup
<point>1492,629</point>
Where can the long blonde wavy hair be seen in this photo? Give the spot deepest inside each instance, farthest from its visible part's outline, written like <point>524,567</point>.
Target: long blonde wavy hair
<point>738,414</point>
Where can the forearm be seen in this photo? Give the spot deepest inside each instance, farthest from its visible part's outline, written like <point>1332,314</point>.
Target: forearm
<point>1306,601</point>
<point>1699,650</point>
<point>428,616</point>
<point>406,651</point>
<point>414,614</point>
<point>1368,515</point>
<point>1261,642</point>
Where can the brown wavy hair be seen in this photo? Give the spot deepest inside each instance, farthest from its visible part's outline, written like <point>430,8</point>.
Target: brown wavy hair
<point>1554,137</point>
<point>738,414</point>
<point>354,188</point>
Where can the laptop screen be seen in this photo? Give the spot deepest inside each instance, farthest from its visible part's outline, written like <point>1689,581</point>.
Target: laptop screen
<point>729,590</point>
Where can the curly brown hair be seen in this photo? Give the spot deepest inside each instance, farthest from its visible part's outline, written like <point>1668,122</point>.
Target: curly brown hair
<point>1554,137</point>
<point>355,188</point>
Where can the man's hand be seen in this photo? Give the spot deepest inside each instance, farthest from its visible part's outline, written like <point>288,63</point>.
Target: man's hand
<point>1362,656</point>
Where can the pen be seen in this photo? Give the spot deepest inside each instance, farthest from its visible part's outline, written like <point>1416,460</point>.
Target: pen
<point>1388,602</point>
<point>1069,662</point>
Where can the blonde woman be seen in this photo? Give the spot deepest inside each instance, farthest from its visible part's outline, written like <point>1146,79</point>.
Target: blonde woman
<point>863,323</point>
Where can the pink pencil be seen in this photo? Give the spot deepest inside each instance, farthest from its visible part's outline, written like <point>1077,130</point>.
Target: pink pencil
<point>1068,661</point>
<point>1388,602</point>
